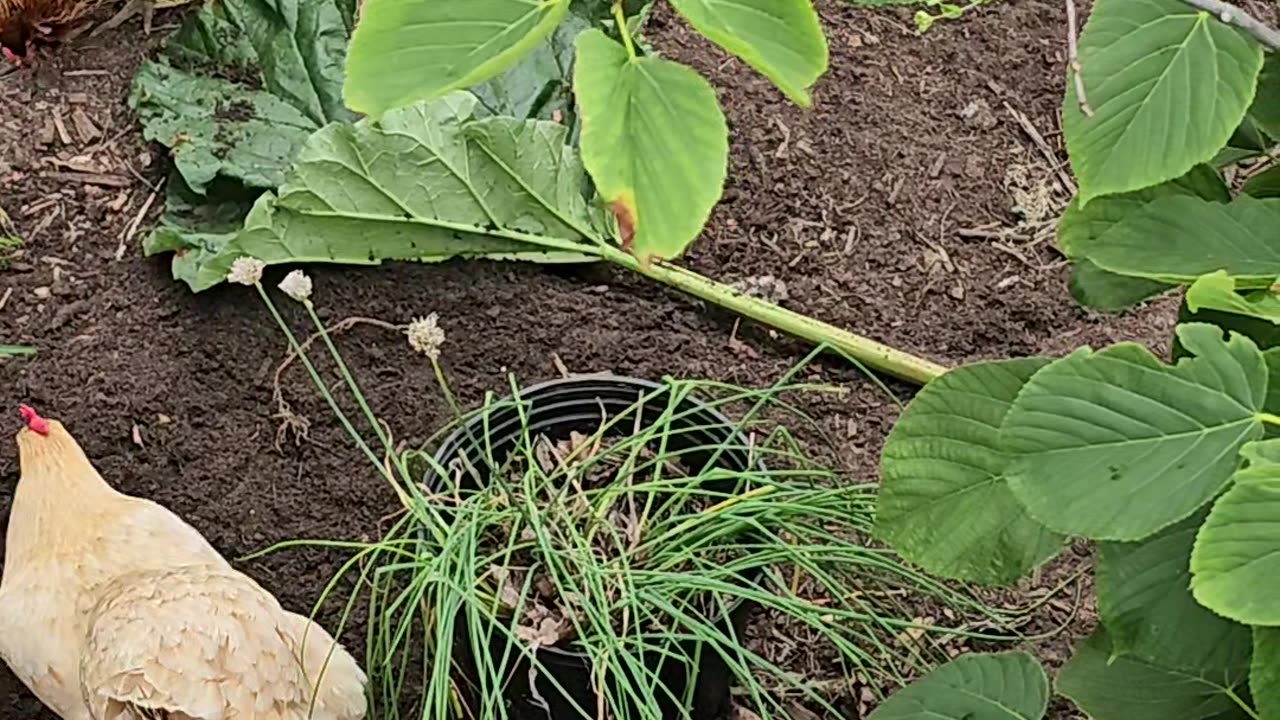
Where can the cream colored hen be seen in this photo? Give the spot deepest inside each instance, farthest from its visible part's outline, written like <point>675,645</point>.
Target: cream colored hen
<point>114,608</point>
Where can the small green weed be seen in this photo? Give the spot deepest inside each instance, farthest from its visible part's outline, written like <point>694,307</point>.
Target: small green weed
<point>925,19</point>
<point>933,11</point>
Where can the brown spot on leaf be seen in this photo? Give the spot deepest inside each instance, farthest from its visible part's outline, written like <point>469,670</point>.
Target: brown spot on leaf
<point>623,211</point>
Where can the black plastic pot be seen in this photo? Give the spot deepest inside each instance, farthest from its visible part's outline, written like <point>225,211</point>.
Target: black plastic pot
<point>555,409</point>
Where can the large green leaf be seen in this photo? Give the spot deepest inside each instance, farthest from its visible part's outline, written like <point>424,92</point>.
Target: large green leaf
<point>1080,228</point>
<point>403,52</point>
<point>425,183</point>
<point>1146,62</point>
<point>1108,687</point>
<point>240,86</point>
<point>1272,403</point>
<point>540,85</point>
<point>1116,445</point>
<point>1235,565</point>
<point>1217,291</point>
<point>1145,601</point>
<point>217,128</point>
<point>1265,110</point>
<point>654,141</point>
<point>944,503</point>
<point>293,49</point>
<point>995,686</point>
<point>1263,333</point>
<point>1264,676</point>
<point>1265,184</point>
<point>780,38</point>
<point>1176,239</point>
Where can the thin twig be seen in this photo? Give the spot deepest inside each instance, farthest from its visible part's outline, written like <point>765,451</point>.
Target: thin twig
<point>1233,15</point>
<point>132,228</point>
<point>1024,122</point>
<point>1073,59</point>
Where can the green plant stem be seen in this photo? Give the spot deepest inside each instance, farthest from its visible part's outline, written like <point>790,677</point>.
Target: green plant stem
<point>1241,703</point>
<point>320,385</point>
<point>621,19</point>
<point>443,382</point>
<point>1267,417</point>
<point>351,381</point>
<point>869,352</point>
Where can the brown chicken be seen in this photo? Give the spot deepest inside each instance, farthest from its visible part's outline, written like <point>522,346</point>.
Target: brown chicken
<point>24,22</point>
<point>114,608</point>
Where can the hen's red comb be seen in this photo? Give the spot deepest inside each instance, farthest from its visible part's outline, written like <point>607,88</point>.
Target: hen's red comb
<point>36,423</point>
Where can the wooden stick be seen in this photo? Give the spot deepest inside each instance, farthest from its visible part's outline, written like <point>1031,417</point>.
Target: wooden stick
<point>1233,15</point>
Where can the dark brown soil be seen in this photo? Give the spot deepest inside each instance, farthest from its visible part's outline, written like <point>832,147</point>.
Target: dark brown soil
<point>885,209</point>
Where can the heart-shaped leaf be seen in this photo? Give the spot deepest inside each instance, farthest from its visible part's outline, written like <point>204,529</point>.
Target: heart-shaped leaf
<point>1145,601</point>
<point>1083,227</point>
<point>1144,62</point>
<point>1111,687</point>
<point>944,503</point>
<point>1235,565</point>
<point>1116,445</point>
<point>997,686</point>
<point>655,142</point>
<point>1264,675</point>
<point>1176,239</point>
<point>780,38</point>
<point>1217,291</point>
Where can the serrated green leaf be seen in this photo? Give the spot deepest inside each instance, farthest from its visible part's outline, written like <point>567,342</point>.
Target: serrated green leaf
<point>1265,110</point>
<point>1116,445</point>
<point>1144,62</point>
<point>1125,688</point>
<point>1145,601</point>
<point>1264,676</point>
<point>1265,184</point>
<point>425,183</point>
<point>655,142</point>
<point>1081,228</point>
<point>995,686</point>
<point>1176,239</point>
<point>1263,334</point>
<point>944,503</point>
<point>780,38</point>
<point>1235,565</point>
<point>1087,227</point>
<point>403,52</point>
<point>1217,291</point>
<point>1096,288</point>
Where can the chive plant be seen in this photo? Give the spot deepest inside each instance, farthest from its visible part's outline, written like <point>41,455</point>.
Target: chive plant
<point>494,573</point>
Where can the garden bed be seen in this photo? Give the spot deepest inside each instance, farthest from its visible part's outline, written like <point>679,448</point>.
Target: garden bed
<point>886,209</point>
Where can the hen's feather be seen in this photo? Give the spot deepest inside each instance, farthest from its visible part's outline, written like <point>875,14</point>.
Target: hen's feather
<point>207,643</point>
